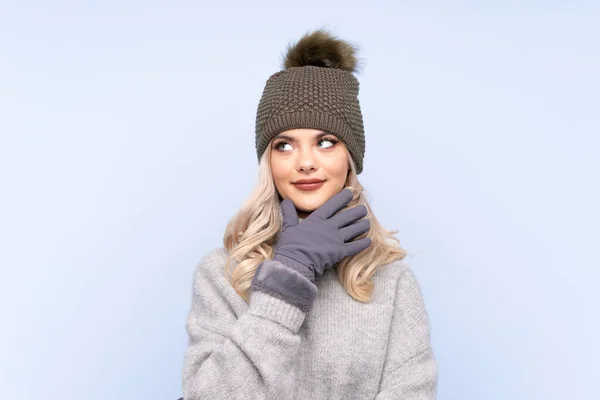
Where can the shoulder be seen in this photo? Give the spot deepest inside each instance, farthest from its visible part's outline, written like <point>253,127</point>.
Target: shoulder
<point>406,278</point>
<point>400,277</point>
<point>214,256</point>
<point>409,305</point>
<point>211,261</point>
<point>215,303</point>
<point>393,272</point>
<point>210,268</point>
<point>211,288</point>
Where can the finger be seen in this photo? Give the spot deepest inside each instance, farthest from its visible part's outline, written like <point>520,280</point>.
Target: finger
<point>349,216</point>
<point>290,217</point>
<point>356,229</point>
<point>356,247</point>
<point>334,204</point>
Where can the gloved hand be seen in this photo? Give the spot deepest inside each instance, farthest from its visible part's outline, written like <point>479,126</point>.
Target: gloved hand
<point>322,239</point>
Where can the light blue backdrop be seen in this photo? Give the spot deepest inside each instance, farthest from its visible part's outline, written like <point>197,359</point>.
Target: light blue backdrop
<point>127,143</point>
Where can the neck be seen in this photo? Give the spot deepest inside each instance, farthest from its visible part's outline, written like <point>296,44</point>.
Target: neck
<point>302,214</point>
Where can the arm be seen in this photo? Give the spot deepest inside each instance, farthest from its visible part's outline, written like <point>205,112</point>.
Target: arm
<point>410,370</point>
<point>250,357</point>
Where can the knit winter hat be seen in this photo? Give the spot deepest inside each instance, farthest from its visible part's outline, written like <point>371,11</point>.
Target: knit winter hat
<point>316,89</point>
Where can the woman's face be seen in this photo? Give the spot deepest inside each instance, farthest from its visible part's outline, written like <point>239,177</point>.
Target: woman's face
<point>308,154</point>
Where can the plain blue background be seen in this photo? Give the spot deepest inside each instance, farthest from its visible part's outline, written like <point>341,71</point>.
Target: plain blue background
<point>128,142</point>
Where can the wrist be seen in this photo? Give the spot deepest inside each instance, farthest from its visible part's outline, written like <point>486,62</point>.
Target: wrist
<point>297,266</point>
<point>277,280</point>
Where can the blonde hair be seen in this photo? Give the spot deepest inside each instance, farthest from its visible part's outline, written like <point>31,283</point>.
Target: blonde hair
<point>253,230</point>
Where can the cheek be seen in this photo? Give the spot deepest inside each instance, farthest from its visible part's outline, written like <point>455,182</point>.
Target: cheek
<point>338,166</point>
<point>280,170</point>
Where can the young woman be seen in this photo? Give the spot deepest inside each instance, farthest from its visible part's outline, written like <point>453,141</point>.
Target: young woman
<point>308,298</point>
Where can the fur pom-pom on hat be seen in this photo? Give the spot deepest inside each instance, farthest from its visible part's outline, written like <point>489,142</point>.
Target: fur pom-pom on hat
<point>321,49</point>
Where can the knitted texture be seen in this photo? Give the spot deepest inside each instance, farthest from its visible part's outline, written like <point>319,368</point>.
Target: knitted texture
<point>312,97</point>
<point>340,349</point>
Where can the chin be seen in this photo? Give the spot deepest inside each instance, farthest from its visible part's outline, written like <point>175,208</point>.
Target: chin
<point>309,201</point>
<point>309,205</point>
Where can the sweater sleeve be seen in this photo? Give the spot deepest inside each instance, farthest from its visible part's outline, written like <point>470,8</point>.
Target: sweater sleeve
<point>410,370</point>
<point>253,356</point>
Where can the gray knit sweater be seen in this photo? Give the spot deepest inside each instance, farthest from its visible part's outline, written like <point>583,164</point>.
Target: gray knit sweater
<point>340,349</point>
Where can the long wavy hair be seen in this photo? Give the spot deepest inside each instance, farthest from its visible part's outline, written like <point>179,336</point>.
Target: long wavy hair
<point>255,228</point>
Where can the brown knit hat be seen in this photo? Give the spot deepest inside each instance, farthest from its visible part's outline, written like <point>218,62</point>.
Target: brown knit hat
<point>316,89</point>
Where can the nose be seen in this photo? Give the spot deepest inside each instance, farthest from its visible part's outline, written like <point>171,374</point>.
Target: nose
<point>307,162</point>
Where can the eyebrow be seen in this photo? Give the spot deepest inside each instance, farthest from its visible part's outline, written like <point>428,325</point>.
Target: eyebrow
<point>317,136</point>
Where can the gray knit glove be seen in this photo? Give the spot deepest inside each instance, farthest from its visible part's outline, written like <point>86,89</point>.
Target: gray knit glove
<point>322,239</point>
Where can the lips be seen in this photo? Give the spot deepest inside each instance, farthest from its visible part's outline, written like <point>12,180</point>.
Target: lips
<point>311,180</point>
<point>309,185</point>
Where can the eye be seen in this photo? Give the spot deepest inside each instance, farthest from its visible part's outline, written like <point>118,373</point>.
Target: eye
<point>330,140</point>
<point>279,144</point>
